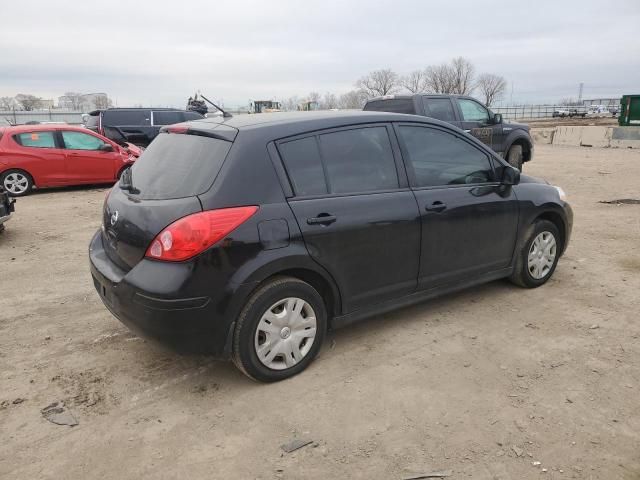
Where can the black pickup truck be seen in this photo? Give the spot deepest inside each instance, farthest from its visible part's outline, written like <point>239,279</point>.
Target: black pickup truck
<point>510,140</point>
<point>6,207</point>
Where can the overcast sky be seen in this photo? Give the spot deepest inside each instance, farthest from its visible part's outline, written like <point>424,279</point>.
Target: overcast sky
<point>159,52</point>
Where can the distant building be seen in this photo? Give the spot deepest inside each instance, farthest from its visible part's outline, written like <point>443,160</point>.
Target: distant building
<point>84,102</point>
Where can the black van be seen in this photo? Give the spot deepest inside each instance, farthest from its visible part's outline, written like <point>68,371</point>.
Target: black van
<point>136,125</point>
<point>250,236</point>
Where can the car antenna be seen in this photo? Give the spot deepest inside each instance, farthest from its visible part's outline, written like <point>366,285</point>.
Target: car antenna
<point>224,114</point>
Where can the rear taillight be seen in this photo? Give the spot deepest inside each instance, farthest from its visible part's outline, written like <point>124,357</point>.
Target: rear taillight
<point>194,233</point>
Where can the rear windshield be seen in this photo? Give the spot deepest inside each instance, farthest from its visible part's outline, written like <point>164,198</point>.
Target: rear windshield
<point>177,166</point>
<point>396,105</point>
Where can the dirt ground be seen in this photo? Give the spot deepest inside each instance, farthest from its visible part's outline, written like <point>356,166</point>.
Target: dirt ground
<point>480,384</point>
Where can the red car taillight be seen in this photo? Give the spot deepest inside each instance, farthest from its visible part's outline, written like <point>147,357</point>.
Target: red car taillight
<point>194,233</point>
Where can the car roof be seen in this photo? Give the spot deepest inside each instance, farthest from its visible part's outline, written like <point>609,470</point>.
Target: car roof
<point>412,95</point>
<point>281,124</point>
<point>129,109</point>
<point>44,127</point>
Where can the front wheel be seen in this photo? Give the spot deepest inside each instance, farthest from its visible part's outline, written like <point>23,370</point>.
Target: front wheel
<point>514,157</point>
<point>539,256</point>
<point>17,182</point>
<point>280,330</point>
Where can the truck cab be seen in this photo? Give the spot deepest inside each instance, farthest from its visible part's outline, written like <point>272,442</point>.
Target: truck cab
<point>510,140</point>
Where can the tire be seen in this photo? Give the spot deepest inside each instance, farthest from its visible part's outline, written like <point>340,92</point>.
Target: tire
<point>525,273</point>
<point>514,157</point>
<point>16,182</point>
<point>272,362</point>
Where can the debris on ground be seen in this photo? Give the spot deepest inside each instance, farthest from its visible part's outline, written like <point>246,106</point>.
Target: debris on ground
<point>18,400</point>
<point>518,451</point>
<point>536,464</point>
<point>58,414</point>
<point>622,201</point>
<point>294,445</point>
<point>440,474</point>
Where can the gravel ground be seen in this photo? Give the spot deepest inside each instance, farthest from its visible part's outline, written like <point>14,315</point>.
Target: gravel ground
<point>482,384</point>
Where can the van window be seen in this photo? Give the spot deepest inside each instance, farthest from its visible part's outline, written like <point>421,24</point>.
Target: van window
<point>359,160</point>
<point>177,166</point>
<point>126,117</point>
<point>304,167</point>
<point>188,116</point>
<point>167,118</point>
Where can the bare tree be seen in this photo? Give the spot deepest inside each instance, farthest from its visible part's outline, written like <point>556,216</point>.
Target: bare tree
<point>462,76</point>
<point>329,101</point>
<point>75,100</point>
<point>455,77</point>
<point>569,102</point>
<point>415,81</point>
<point>438,79</point>
<point>353,99</point>
<point>314,97</point>
<point>28,102</point>
<point>379,82</point>
<point>6,103</point>
<point>290,104</point>
<point>492,87</point>
<point>102,101</point>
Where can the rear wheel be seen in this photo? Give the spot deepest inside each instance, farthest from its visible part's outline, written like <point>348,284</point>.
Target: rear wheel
<point>280,330</point>
<point>514,156</point>
<point>16,182</point>
<point>539,256</point>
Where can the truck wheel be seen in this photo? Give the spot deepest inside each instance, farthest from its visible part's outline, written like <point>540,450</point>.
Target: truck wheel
<point>515,156</point>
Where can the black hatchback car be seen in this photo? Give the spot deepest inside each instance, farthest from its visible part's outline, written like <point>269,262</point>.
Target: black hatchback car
<point>250,236</point>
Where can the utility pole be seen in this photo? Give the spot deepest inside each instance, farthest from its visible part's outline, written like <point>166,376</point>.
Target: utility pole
<point>580,93</point>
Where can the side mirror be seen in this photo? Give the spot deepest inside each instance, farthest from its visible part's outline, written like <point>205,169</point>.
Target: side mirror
<point>510,176</point>
<point>106,147</point>
<point>497,118</point>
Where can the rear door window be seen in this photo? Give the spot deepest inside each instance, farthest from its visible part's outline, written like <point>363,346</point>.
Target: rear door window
<point>358,160</point>
<point>167,118</point>
<point>127,117</point>
<point>36,139</point>
<point>177,166</point>
<point>440,108</point>
<point>396,105</point>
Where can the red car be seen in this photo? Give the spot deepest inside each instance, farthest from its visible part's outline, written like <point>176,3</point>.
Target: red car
<point>59,155</point>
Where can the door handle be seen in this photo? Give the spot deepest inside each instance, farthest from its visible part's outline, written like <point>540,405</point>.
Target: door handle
<point>322,219</point>
<point>436,206</point>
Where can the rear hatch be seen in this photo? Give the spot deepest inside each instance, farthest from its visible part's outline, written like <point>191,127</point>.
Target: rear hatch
<point>161,187</point>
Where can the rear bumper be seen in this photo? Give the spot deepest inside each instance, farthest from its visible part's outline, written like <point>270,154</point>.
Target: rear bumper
<point>166,308</point>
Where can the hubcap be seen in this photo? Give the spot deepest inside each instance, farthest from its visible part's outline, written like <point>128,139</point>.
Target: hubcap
<point>285,333</point>
<point>16,183</point>
<point>542,254</point>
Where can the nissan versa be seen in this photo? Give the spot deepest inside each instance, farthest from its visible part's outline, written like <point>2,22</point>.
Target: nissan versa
<point>250,236</point>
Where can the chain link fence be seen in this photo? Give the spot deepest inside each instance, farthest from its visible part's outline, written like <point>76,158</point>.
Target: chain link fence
<point>19,117</point>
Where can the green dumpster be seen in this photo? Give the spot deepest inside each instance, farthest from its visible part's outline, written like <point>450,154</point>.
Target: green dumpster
<point>630,111</point>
